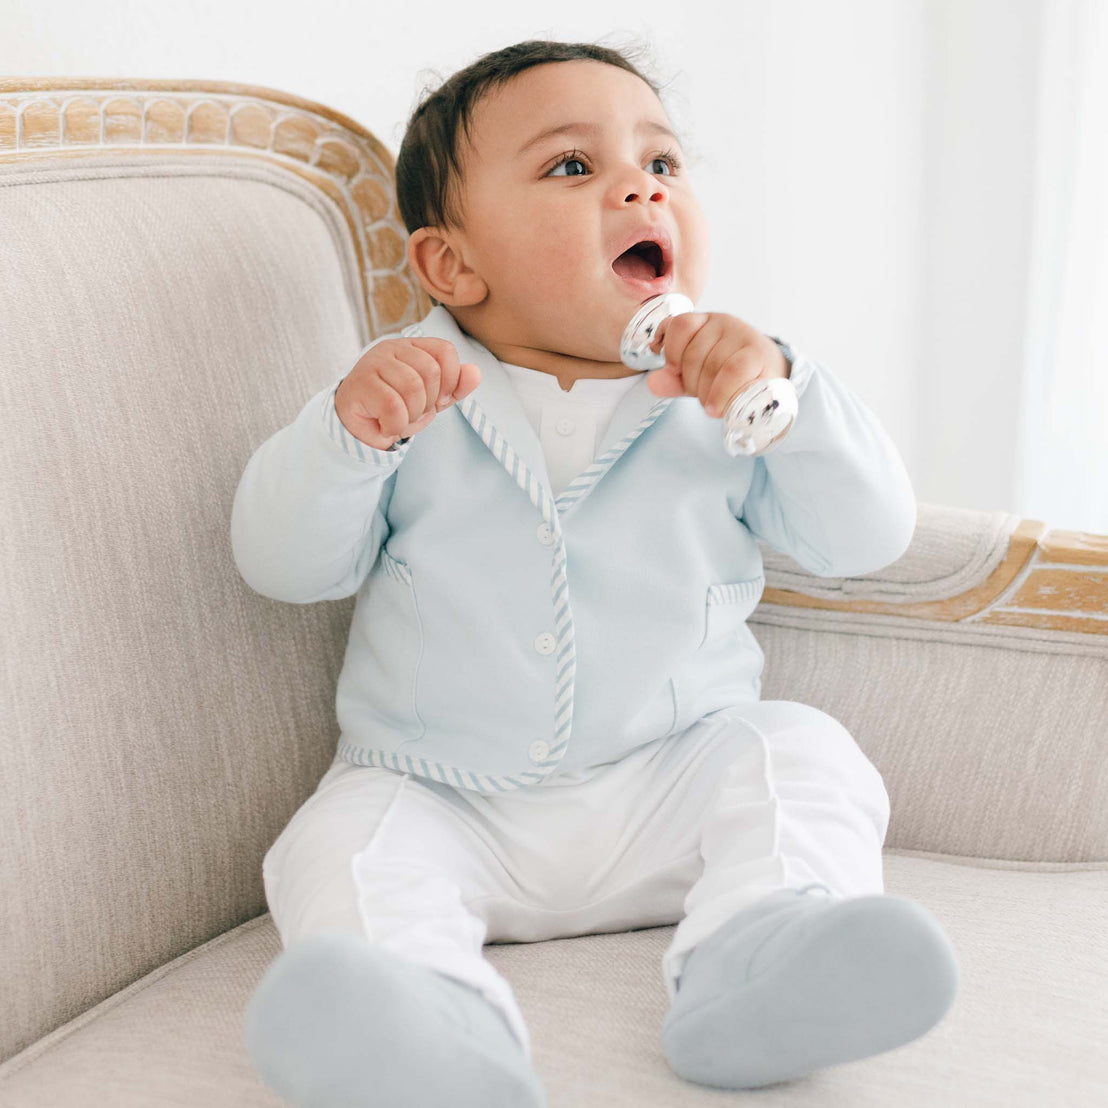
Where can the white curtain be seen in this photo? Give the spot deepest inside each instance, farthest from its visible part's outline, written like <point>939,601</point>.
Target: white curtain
<point>1063,446</point>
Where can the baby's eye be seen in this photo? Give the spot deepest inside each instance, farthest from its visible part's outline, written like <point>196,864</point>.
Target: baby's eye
<point>574,157</point>
<point>566,159</point>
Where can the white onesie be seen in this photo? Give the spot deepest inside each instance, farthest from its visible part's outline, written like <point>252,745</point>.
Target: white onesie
<point>570,425</point>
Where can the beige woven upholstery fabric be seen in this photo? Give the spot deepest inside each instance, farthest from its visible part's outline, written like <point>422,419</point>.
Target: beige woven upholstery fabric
<point>1027,1028</point>
<point>159,721</point>
<point>990,744</point>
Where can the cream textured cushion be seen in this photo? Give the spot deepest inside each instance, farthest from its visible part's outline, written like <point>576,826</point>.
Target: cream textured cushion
<point>1027,1028</point>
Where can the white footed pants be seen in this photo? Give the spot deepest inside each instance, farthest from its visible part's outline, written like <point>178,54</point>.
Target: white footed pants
<point>688,829</point>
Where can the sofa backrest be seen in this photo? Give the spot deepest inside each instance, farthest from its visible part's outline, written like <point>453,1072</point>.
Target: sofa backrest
<point>181,269</point>
<point>973,671</point>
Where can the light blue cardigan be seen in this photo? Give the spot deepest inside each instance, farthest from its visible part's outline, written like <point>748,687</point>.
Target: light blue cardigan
<point>500,634</point>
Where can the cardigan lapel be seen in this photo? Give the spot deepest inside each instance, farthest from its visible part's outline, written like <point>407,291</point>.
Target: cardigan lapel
<point>495,397</point>
<point>636,405</point>
<point>633,415</point>
<point>494,411</point>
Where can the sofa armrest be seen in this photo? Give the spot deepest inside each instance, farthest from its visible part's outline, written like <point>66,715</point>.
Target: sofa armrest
<point>1050,580</point>
<point>973,671</point>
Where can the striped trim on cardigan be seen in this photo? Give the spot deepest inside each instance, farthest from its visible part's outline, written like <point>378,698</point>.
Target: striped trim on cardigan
<point>565,653</point>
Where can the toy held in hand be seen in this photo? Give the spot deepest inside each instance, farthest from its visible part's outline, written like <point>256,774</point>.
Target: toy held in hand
<point>757,417</point>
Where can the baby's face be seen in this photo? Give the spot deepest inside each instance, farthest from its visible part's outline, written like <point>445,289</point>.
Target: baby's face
<point>542,229</point>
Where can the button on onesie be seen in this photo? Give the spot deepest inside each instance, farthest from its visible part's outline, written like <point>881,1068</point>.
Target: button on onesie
<point>570,423</point>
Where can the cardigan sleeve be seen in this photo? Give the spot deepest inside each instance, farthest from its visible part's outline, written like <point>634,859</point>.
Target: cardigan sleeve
<point>308,517</point>
<point>833,494</point>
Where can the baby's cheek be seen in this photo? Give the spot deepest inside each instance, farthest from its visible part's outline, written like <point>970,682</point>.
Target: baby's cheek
<point>692,268</point>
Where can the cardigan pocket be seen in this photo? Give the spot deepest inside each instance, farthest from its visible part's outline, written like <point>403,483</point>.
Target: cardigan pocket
<point>728,605</point>
<point>393,614</point>
<point>395,568</point>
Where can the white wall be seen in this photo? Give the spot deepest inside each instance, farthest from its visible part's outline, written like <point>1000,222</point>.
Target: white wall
<point>865,164</point>
<point>981,150</point>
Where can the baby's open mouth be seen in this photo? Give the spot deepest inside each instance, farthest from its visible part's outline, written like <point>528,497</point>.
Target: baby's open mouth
<point>644,261</point>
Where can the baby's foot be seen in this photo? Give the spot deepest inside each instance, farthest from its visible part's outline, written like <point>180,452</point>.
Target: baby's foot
<point>339,1023</point>
<point>799,981</point>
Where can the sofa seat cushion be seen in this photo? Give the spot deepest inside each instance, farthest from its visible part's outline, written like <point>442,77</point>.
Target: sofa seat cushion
<point>1027,1028</point>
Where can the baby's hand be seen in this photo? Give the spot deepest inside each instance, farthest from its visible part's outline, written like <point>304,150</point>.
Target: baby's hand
<point>713,356</point>
<point>398,386</point>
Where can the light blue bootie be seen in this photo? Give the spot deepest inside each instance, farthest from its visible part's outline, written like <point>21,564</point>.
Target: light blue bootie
<point>338,1023</point>
<point>801,980</point>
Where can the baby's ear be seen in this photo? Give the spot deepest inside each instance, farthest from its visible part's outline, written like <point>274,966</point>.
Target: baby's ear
<point>436,258</point>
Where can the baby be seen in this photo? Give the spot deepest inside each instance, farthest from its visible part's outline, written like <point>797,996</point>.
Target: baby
<point>549,705</point>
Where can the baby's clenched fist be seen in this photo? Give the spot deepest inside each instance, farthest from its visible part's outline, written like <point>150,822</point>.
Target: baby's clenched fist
<point>399,385</point>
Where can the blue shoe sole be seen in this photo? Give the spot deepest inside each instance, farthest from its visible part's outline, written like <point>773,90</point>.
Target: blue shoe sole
<point>832,981</point>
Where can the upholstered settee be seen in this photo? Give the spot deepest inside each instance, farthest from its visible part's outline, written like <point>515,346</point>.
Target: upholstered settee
<point>183,265</point>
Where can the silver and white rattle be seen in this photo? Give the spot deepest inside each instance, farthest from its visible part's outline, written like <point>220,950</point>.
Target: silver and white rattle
<point>756,419</point>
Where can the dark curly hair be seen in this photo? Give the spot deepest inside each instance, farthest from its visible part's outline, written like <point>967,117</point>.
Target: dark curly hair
<point>428,166</point>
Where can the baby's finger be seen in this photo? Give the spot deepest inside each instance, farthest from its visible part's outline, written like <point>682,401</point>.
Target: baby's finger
<point>692,339</point>
<point>419,424</point>
<point>718,389</point>
<point>407,382</point>
<point>469,377</point>
<point>431,358</point>
<point>380,403</point>
<point>675,333</point>
<point>445,354</point>
<point>665,382</point>
<point>451,373</point>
